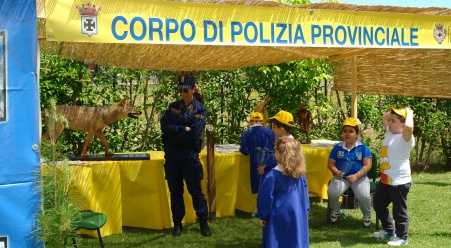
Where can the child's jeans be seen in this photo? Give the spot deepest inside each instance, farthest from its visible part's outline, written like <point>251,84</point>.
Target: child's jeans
<point>361,189</point>
<point>386,194</point>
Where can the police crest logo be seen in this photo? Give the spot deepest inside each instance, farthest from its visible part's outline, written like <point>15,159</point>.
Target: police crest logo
<point>359,155</point>
<point>439,33</point>
<point>88,13</point>
<point>3,242</point>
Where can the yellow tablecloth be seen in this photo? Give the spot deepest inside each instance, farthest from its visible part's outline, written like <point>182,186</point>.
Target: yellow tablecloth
<point>318,177</point>
<point>135,193</point>
<point>98,188</point>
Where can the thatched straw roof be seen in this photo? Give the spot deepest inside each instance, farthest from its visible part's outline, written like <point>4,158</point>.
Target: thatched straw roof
<point>416,72</point>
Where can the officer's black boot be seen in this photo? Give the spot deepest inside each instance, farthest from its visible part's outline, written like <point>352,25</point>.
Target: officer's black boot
<point>177,230</point>
<point>204,229</point>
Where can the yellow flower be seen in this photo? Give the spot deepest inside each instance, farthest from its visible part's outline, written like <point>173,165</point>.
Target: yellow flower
<point>384,151</point>
<point>384,166</point>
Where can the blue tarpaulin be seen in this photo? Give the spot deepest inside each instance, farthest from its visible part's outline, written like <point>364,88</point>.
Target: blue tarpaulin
<point>19,123</point>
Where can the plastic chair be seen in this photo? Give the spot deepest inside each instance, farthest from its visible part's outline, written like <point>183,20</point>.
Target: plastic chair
<point>90,220</point>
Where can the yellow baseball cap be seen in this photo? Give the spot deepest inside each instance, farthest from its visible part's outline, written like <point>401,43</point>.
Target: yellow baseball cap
<point>256,116</point>
<point>401,111</point>
<point>350,121</point>
<point>284,117</point>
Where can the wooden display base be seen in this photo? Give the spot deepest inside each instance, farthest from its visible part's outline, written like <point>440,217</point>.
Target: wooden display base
<point>111,157</point>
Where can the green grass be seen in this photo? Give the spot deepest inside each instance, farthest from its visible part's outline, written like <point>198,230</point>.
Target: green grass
<point>430,225</point>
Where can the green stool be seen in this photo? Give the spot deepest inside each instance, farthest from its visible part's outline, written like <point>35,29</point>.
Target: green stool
<point>91,221</point>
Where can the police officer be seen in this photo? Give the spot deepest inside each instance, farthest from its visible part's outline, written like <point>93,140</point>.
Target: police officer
<point>182,125</point>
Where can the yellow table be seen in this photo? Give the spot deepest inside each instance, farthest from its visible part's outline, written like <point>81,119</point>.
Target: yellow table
<point>98,188</point>
<point>318,177</point>
<point>135,193</point>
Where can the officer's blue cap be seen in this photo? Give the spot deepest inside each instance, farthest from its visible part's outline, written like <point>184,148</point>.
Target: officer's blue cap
<point>186,82</point>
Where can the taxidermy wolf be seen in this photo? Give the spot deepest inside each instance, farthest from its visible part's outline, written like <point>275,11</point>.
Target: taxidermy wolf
<point>91,120</point>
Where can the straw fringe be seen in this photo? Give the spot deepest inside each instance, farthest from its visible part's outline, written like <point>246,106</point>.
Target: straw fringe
<point>415,72</point>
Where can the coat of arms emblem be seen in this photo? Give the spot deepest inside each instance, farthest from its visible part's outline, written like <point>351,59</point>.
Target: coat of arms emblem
<point>89,24</point>
<point>439,33</point>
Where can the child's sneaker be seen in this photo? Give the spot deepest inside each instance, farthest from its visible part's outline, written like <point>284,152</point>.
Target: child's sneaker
<point>397,242</point>
<point>366,222</point>
<point>333,217</point>
<point>382,234</point>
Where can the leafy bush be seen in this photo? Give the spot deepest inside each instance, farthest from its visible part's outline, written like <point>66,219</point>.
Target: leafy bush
<point>229,97</point>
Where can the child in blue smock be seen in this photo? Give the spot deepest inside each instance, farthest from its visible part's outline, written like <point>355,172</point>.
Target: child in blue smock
<point>258,142</point>
<point>283,203</point>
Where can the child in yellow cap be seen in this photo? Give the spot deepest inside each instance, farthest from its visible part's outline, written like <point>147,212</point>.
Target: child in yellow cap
<point>282,123</point>
<point>349,162</point>
<point>258,142</point>
<point>395,181</point>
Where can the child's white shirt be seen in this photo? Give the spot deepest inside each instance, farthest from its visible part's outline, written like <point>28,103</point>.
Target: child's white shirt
<point>395,162</point>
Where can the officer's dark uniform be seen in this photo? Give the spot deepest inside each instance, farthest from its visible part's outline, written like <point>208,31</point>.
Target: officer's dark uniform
<point>182,147</point>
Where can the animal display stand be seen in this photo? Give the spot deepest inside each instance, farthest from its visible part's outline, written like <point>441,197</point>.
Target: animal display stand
<point>112,157</point>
